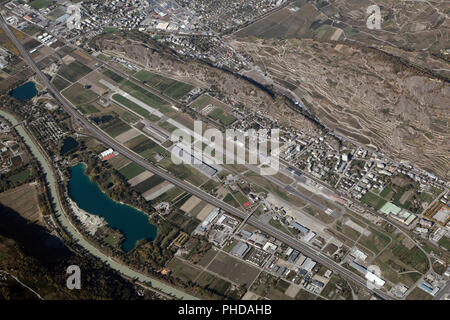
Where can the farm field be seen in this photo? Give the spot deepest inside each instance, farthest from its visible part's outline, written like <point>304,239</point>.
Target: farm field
<point>74,71</point>
<point>419,294</point>
<point>24,200</point>
<point>40,4</point>
<point>233,269</point>
<point>113,76</point>
<point>148,183</point>
<point>60,83</point>
<point>372,200</point>
<point>376,241</point>
<point>115,127</point>
<point>224,118</point>
<point>170,87</point>
<point>78,95</point>
<point>131,170</point>
<point>88,109</point>
<point>177,90</point>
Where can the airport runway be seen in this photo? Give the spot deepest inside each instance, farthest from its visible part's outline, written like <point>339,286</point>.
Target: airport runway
<point>110,142</point>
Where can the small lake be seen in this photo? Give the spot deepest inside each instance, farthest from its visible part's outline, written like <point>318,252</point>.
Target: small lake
<point>132,223</point>
<point>25,92</point>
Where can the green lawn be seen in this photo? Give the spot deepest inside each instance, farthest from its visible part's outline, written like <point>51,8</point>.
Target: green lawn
<point>88,109</point>
<point>40,4</point>
<point>372,200</point>
<point>201,101</point>
<point>149,77</point>
<point>219,115</point>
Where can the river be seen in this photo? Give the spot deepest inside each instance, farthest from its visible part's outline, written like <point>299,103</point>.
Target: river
<point>75,234</point>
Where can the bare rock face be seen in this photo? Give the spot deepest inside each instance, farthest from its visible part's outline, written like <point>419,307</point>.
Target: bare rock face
<point>364,95</point>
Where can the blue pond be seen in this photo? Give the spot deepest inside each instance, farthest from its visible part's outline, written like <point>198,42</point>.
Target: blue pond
<point>25,92</point>
<point>132,223</point>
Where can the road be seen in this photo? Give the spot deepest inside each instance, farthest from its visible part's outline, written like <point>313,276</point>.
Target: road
<point>442,292</point>
<point>110,142</point>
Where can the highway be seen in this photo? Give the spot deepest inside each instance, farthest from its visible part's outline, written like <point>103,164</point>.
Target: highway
<point>110,142</point>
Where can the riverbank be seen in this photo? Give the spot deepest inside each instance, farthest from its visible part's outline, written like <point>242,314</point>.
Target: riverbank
<point>74,233</point>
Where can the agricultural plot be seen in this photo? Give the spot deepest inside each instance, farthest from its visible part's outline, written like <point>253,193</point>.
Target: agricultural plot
<point>376,241</point>
<point>131,170</point>
<point>182,270</point>
<point>23,200</point>
<point>40,4</point>
<point>31,44</point>
<point>148,77</point>
<point>419,294</point>
<point>414,257</point>
<point>118,162</point>
<point>169,196</point>
<point>78,95</point>
<point>115,127</point>
<point>140,178</point>
<point>127,135</point>
<point>372,200</point>
<point>233,269</point>
<point>230,200</point>
<point>287,24</point>
<point>224,118</point>
<point>201,102</point>
<point>74,71</point>
<point>141,145</point>
<point>60,83</point>
<point>185,172</point>
<point>113,76</point>
<point>148,183</point>
<point>197,209</point>
<point>88,109</point>
<point>445,242</point>
<point>170,87</point>
<point>186,223</point>
<point>178,90</point>
<point>213,283</point>
<point>31,29</point>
